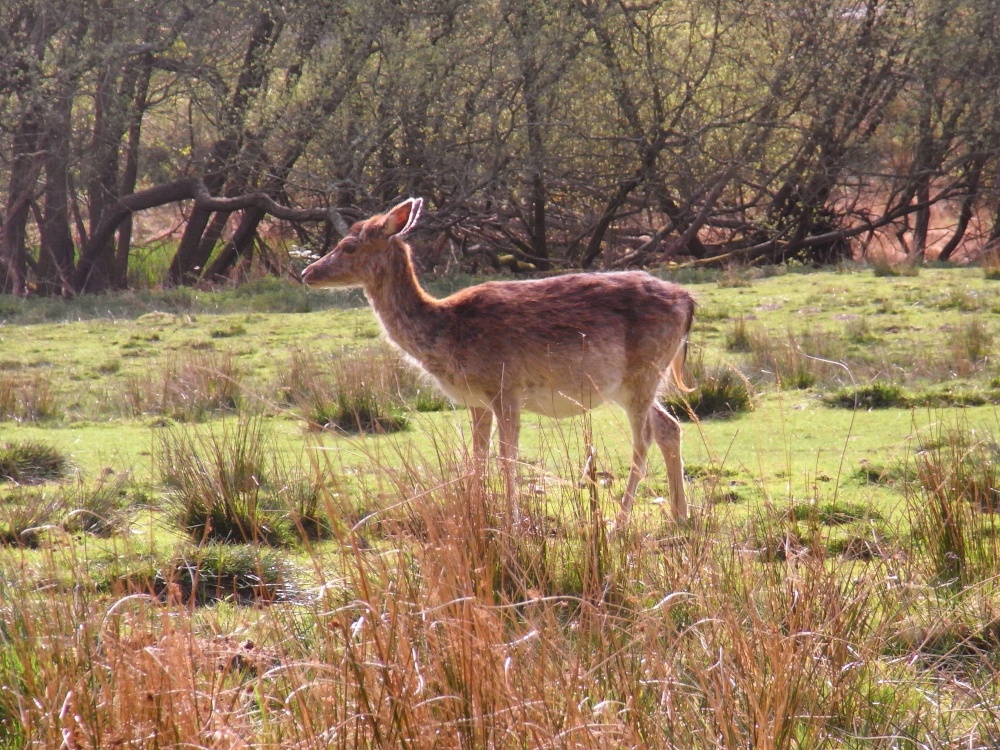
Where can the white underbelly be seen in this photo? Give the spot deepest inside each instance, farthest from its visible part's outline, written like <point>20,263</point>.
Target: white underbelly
<point>550,402</point>
<point>559,404</point>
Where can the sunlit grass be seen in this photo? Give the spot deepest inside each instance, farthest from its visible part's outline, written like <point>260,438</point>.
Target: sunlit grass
<point>839,568</point>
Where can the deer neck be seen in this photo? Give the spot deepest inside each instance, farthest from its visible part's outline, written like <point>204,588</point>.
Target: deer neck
<point>407,313</point>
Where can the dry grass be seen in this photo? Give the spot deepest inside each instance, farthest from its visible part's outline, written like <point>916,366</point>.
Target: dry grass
<point>364,391</point>
<point>27,398</point>
<point>793,360</point>
<point>190,388</point>
<point>431,620</point>
<point>435,623</point>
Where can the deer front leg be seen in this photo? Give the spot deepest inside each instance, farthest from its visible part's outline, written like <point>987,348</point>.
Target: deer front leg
<point>482,423</point>
<point>508,431</point>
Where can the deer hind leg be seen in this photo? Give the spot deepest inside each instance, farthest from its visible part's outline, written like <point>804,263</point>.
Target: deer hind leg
<point>641,438</point>
<point>667,431</point>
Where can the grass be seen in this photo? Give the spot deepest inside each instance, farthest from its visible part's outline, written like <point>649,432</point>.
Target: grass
<point>877,395</point>
<point>719,392</point>
<point>218,574</point>
<point>30,462</point>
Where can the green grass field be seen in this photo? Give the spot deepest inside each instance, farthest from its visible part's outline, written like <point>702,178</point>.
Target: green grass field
<point>193,554</point>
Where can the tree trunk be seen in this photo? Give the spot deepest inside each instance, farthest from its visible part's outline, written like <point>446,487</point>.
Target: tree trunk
<point>56,254</point>
<point>197,242</point>
<point>130,171</point>
<point>975,172</point>
<point>25,164</point>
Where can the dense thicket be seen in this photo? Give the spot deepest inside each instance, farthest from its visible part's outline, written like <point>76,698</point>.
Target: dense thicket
<point>590,133</point>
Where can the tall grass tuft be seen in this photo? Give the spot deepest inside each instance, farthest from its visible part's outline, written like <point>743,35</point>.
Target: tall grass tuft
<point>31,462</point>
<point>101,508</point>
<point>188,389</point>
<point>359,392</point>
<point>954,512</point>
<point>27,398</point>
<point>740,337</point>
<point>242,574</point>
<point>221,483</point>
<point>25,516</point>
<point>990,263</point>
<point>879,394</point>
<point>794,361</point>
<point>720,391</point>
<point>971,346</point>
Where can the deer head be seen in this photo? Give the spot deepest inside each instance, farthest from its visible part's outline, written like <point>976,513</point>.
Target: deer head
<point>358,258</point>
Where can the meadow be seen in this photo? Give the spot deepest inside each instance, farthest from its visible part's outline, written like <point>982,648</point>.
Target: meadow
<point>236,519</point>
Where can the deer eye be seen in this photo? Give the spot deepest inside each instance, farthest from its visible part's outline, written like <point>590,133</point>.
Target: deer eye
<point>349,244</point>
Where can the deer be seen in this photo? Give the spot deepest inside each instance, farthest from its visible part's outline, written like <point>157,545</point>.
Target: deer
<point>557,346</point>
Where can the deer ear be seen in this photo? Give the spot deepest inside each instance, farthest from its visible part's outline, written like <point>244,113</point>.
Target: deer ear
<point>402,218</point>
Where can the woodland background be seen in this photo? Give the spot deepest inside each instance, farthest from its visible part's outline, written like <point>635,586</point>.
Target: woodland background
<point>543,135</point>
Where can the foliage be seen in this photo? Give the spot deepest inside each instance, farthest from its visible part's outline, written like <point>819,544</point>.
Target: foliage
<point>547,135</point>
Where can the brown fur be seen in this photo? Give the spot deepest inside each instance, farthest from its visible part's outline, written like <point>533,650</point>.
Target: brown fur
<point>556,346</point>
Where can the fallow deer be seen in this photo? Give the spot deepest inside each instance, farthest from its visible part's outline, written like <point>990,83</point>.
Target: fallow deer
<point>556,346</point>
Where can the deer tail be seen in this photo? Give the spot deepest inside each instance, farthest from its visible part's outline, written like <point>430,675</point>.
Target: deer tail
<point>680,356</point>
